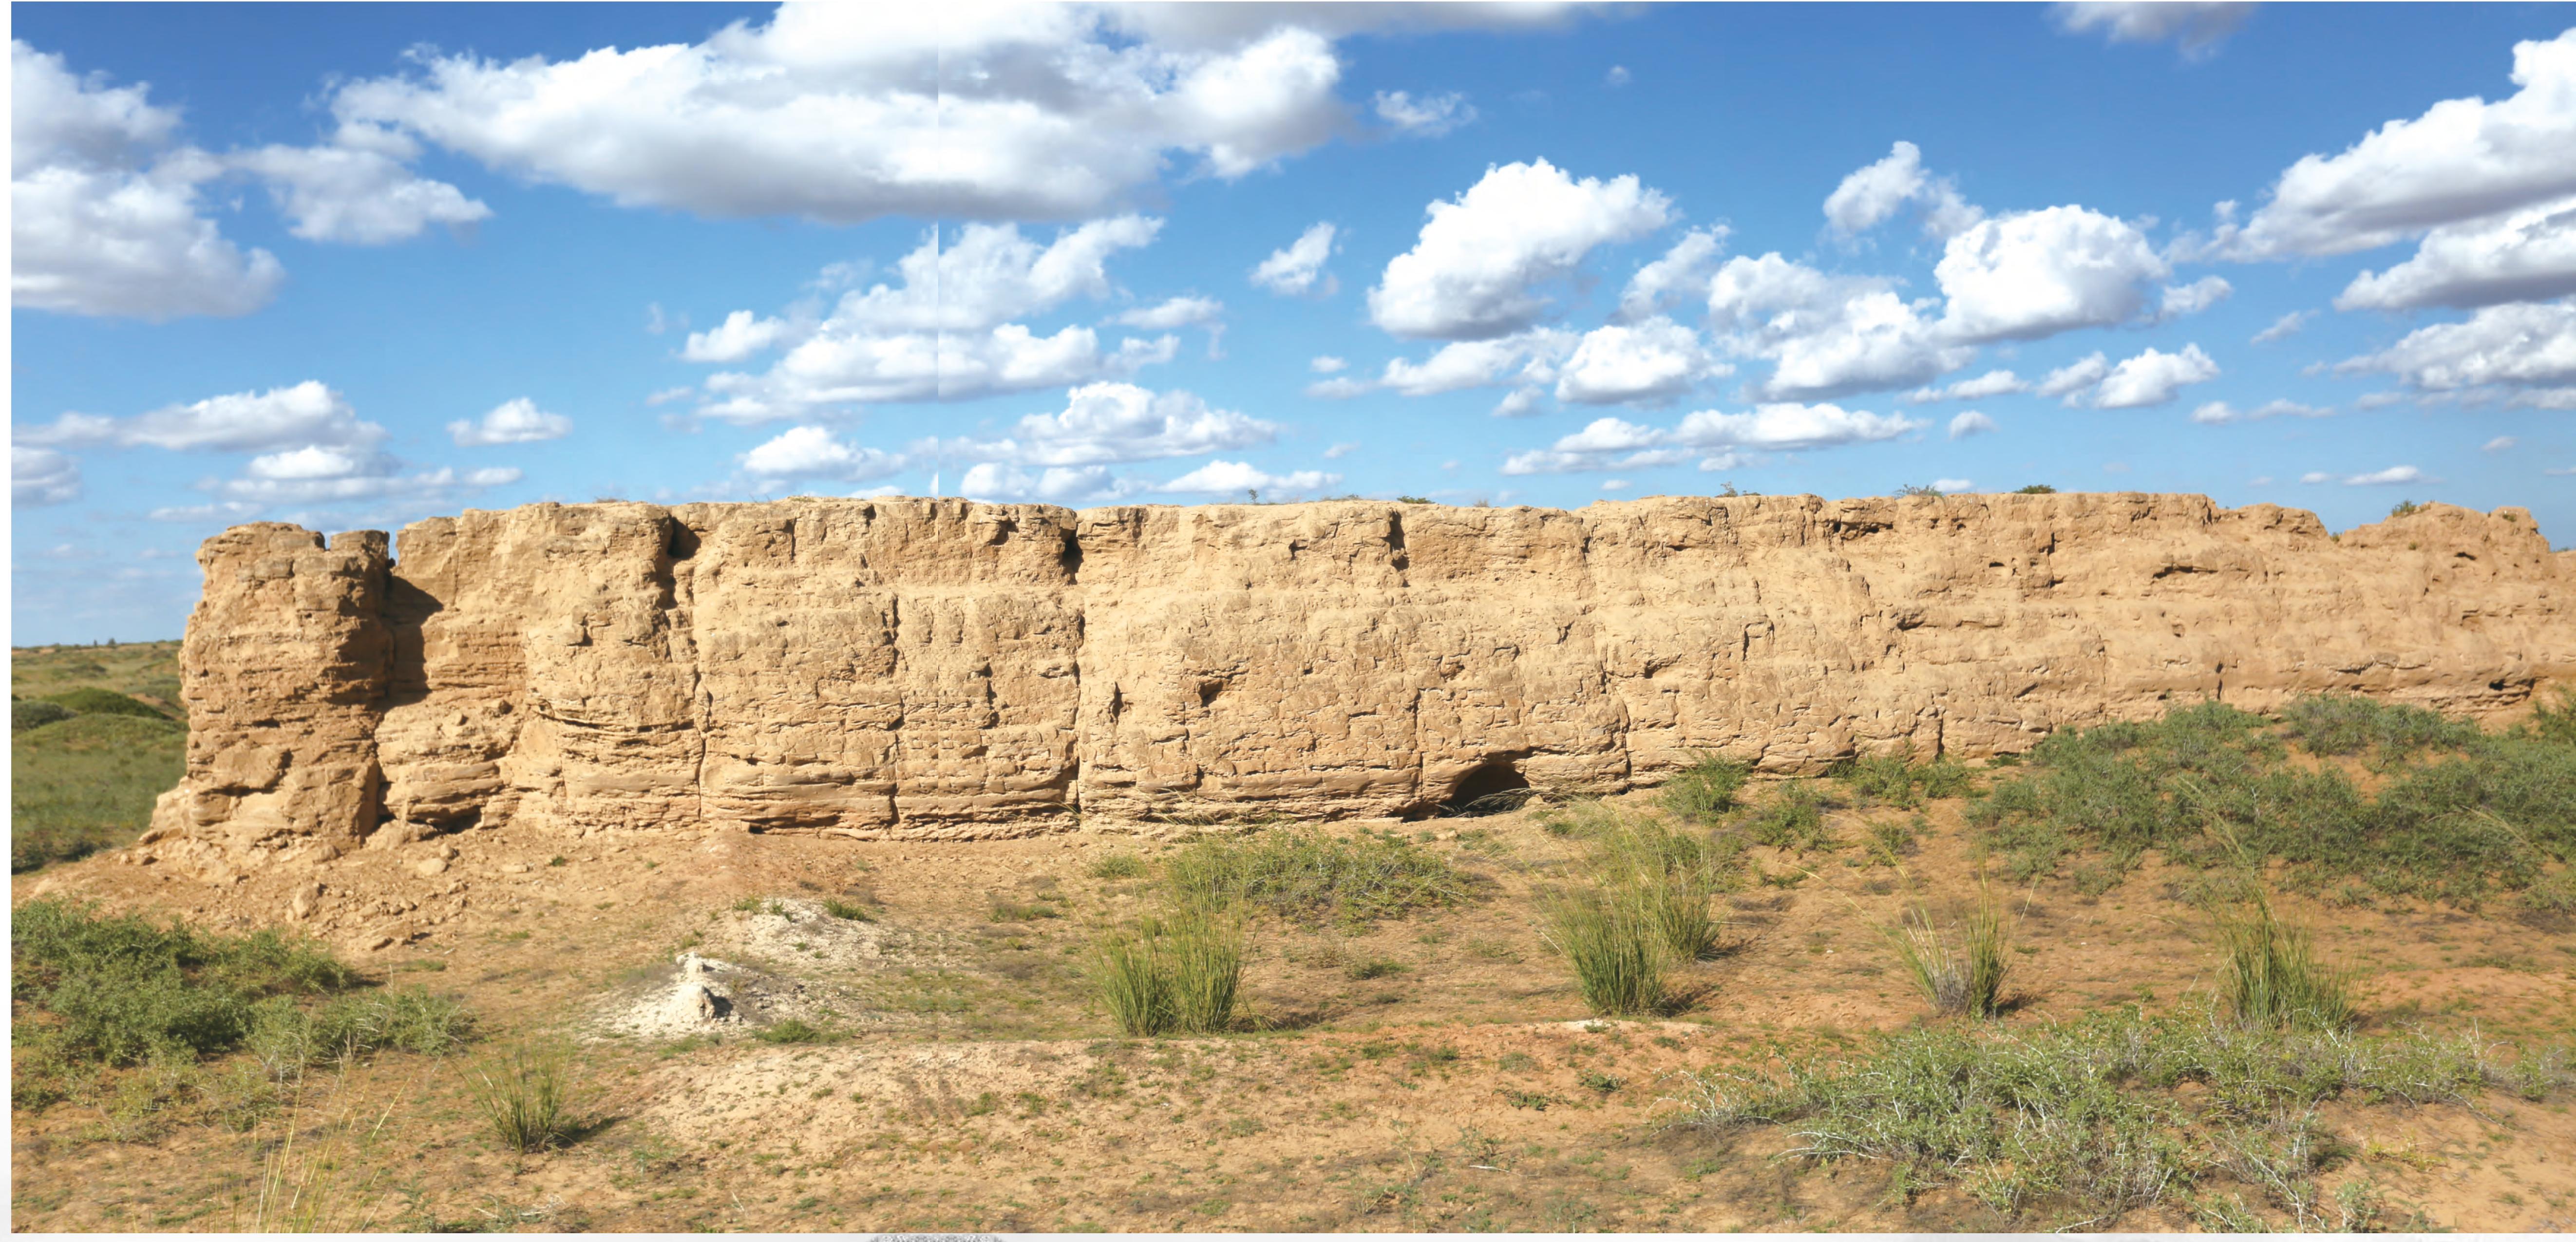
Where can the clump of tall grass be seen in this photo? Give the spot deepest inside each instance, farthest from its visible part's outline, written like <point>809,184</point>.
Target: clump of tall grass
<point>525,1094</point>
<point>1175,974</point>
<point>1670,879</point>
<point>1959,968</point>
<point>1617,948</point>
<point>2270,974</point>
<point>1705,791</point>
<point>1311,874</point>
<point>1118,865</point>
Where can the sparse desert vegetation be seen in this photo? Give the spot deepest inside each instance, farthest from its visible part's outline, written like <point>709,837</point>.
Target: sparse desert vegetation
<point>2212,970</point>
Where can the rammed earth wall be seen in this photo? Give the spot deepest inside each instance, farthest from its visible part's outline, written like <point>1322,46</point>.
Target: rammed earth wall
<point>952,669</point>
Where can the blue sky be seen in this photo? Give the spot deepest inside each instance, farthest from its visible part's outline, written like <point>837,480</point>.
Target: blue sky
<point>350,266</point>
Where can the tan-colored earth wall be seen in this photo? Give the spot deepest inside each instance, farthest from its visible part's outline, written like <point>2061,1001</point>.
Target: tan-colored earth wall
<point>945,668</point>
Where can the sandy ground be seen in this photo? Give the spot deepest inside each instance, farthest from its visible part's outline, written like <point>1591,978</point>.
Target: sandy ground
<point>972,1084</point>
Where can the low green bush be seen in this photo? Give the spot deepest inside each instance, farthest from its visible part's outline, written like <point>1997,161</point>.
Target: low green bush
<point>25,714</point>
<point>1119,865</point>
<point>93,988</point>
<point>1792,818</point>
<point>1897,780</point>
<point>1705,791</point>
<point>1305,873</point>
<point>2460,813</point>
<point>2078,1123</point>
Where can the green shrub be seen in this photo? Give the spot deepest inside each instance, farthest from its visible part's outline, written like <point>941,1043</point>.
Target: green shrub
<point>1121,865</point>
<point>525,1094</point>
<point>1793,817</point>
<point>121,989</point>
<point>1304,873</point>
<point>2211,786</point>
<point>1379,968</point>
<point>25,714</point>
<point>2035,489</point>
<point>1618,952</point>
<point>2555,721</point>
<point>348,1027</point>
<point>93,701</point>
<point>1175,974</point>
<point>1705,791</point>
<point>2079,1122</point>
<point>1959,969</point>
<point>2270,975</point>
<point>1898,780</point>
<point>2341,724</point>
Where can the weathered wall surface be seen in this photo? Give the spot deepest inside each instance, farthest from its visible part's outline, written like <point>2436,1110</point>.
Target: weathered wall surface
<point>947,668</point>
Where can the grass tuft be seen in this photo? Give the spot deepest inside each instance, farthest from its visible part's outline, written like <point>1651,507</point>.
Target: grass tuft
<point>524,1093</point>
<point>1959,969</point>
<point>1176,974</point>
<point>1617,950</point>
<point>2270,975</point>
<point>1121,865</point>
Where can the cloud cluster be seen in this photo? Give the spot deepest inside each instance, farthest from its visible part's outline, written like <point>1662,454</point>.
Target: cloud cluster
<point>2152,377</point>
<point>843,113</point>
<point>1825,335</point>
<point>1712,436</point>
<point>953,329</point>
<point>310,446</point>
<point>108,215</point>
<point>2524,348</point>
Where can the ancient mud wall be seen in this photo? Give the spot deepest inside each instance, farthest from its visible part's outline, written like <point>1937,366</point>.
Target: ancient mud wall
<point>947,668</point>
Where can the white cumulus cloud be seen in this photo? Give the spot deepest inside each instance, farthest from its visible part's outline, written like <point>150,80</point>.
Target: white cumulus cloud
<point>1970,423</point>
<point>2463,159</point>
<point>1825,335</point>
<point>1712,435</point>
<point>1220,477</point>
<point>1299,267</point>
<point>2284,327</point>
<point>1475,270</point>
<point>2037,273</point>
<point>2516,345</point>
<point>356,194</point>
<point>2521,256</point>
<point>1648,360</point>
<point>2217,412</point>
<point>1994,383</point>
<point>1680,276</point>
<point>814,452</point>
<point>1175,313</point>
<point>2153,377</point>
<point>741,335</point>
<point>2375,478</point>
<point>516,421</point>
<point>1874,192</point>
<point>301,414</point>
<point>2193,298</point>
